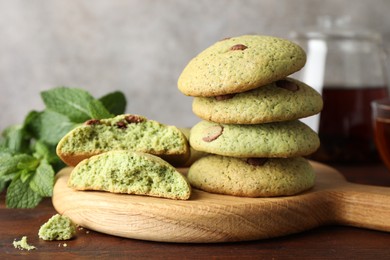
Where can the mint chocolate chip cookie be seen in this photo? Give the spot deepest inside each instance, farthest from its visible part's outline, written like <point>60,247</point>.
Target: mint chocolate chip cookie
<point>123,132</point>
<point>283,100</point>
<point>278,139</point>
<point>253,177</point>
<point>131,173</point>
<point>239,64</point>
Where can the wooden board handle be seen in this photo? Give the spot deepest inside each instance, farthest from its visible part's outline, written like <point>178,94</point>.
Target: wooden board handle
<point>362,206</point>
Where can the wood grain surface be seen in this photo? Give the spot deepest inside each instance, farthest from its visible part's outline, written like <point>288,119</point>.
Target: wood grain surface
<point>210,217</point>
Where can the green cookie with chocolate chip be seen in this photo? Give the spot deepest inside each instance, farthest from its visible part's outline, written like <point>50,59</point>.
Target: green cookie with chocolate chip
<point>123,132</point>
<point>277,139</point>
<point>239,64</point>
<point>254,177</point>
<point>259,177</point>
<point>283,100</point>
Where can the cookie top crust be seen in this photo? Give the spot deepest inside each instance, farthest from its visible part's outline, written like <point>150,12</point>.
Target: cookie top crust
<point>239,64</point>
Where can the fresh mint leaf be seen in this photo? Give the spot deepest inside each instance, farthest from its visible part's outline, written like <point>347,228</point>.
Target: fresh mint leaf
<point>28,163</point>
<point>54,126</point>
<point>115,102</point>
<point>32,124</point>
<point>4,179</point>
<point>20,195</point>
<point>71,102</point>
<point>43,179</point>
<point>5,154</point>
<point>42,151</point>
<point>13,163</point>
<point>97,110</point>
<point>50,126</point>
<point>25,175</point>
<point>14,138</point>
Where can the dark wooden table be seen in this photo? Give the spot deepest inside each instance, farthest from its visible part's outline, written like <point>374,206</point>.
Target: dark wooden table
<point>330,242</point>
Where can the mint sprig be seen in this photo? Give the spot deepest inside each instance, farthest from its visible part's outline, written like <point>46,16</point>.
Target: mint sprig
<point>67,101</point>
<point>28,161</point>
<point>20,195</point>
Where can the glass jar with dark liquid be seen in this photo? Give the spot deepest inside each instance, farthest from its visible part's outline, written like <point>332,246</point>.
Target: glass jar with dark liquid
<point>348,68</point>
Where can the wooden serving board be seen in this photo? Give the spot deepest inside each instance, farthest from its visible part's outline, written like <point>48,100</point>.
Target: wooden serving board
<point>210,217</point>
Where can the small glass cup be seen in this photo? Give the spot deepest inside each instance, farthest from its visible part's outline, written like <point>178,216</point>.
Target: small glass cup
<point>381,126</point>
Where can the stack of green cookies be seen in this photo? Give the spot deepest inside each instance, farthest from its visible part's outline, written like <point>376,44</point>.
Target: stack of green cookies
<point>251,110</point>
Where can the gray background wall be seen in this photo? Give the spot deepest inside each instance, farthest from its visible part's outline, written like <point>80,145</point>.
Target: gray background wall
<point>139,46</point>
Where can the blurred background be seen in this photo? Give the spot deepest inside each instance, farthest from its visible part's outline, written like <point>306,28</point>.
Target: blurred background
<point>140,46</point>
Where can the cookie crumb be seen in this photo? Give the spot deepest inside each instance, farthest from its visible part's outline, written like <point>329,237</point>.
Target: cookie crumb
<point>22,244</point>
<point>58,227</point>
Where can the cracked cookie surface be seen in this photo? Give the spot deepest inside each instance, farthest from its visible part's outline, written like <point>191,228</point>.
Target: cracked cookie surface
<point>283,100</point>
<point>239,64</point>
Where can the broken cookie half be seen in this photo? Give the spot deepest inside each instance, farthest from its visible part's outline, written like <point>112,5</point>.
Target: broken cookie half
<point>132,173</point>
<point>123,132</point>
